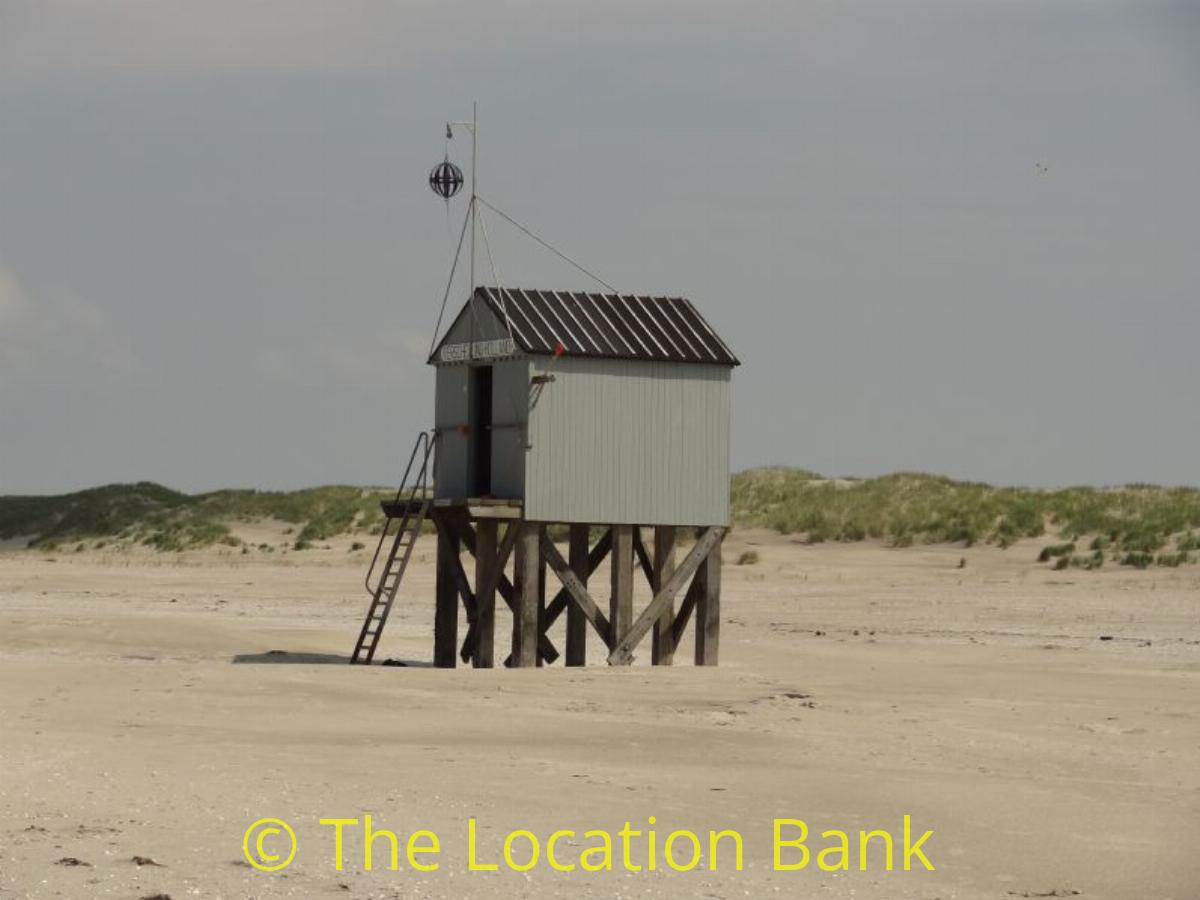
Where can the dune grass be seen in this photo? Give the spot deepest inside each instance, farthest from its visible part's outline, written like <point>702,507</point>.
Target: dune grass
<point>149,514</point>
<point>1136,525</point>
<point>909,508</point>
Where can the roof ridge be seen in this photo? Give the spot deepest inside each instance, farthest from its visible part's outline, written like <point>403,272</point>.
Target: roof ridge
<point>597,324</point>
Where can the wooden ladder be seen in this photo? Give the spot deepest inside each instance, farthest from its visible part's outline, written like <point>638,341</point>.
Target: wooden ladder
<point>410,509</point>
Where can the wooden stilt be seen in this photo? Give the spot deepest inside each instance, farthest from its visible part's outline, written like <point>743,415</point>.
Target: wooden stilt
<point>596,556</point>
<point>526,593</point>
<point>577,623</point>
<point>620,613</point>
<point>525,605</point>
<point>663,651</point>
<point>486,578</point>
<point>622,653</point>
<point>642,557</point>
<point>445,619</point>
<point>708,609</point>
<point>578,593</point>
<point>541,604</point>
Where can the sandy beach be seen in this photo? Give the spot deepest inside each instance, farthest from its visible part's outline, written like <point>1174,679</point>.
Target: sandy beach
<point>1042,724</point>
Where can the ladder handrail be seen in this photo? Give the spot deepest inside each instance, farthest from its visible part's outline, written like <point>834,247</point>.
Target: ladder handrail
<point>420,484</point>
<point>385,595</point>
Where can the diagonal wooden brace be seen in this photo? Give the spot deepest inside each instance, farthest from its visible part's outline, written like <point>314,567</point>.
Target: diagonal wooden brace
<point>504,587</point>
<point>460,576</point>
<point>502,554</point>
<point>575,589</point>
<point>596,555</point>
<point>467,534</point>
<point>622,653</point>
<point>679,626</point>
<point>643,558</point>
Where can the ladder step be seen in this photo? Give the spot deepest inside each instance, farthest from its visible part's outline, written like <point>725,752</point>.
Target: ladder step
<point>409,511</point>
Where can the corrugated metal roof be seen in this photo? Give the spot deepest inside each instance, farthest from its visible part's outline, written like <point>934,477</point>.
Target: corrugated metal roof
<point>613,326</point>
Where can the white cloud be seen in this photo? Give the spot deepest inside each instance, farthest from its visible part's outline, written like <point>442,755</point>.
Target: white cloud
<point>277,365</point>
<point>13,302</point>
<point>57,337</point>
<point>387,358</point>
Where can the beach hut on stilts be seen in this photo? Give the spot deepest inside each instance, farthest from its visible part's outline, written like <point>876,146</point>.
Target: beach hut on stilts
<point>599,420</point>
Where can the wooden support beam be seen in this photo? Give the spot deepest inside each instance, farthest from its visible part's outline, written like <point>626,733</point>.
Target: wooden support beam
<point>467,532</point>
<point>525,607</point>
<point>622,653</point>
<point>663,649</point>
<point>620,604</point>
<point>504,586</point>
<point>708,608</point>
<point>461,582</point>
<point>596,555</point>
<point>643,558</point>
<point>499,583</point>
<point>576,590</point>
<point>679,626</point>
<point>445,616</point>
<point>547,652</point>
<point>577,622</point>
<point>541,602</point>
<point>449,527</point>
<point>486,558</point>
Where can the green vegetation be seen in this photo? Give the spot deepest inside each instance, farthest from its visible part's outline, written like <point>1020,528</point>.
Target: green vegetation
<point>158,517</point>
<point>748,558</point>
<point>1056,550</point>
<point>99,512</point>
<point>1094,561</point>
<point>1137,525</point>
<point>1137,559</point>
<point>910,508</point>
<point>899,509</point>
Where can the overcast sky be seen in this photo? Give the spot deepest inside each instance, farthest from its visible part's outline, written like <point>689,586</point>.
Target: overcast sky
<point>955,237</point>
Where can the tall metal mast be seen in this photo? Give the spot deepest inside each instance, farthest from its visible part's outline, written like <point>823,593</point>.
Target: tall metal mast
<point>473,209</point>
<point>446,181</point>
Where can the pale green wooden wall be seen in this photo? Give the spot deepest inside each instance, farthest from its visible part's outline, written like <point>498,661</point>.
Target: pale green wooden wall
<point>449,412</point>
<point>610,441</point>
<point>630,442</point>
<point>510,404</point>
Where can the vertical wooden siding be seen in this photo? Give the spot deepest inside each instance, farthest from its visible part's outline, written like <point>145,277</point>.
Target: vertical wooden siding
<point>450,412</point>
<point>510,407</point>
<point>510,404</point>
<point>630,442</point>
